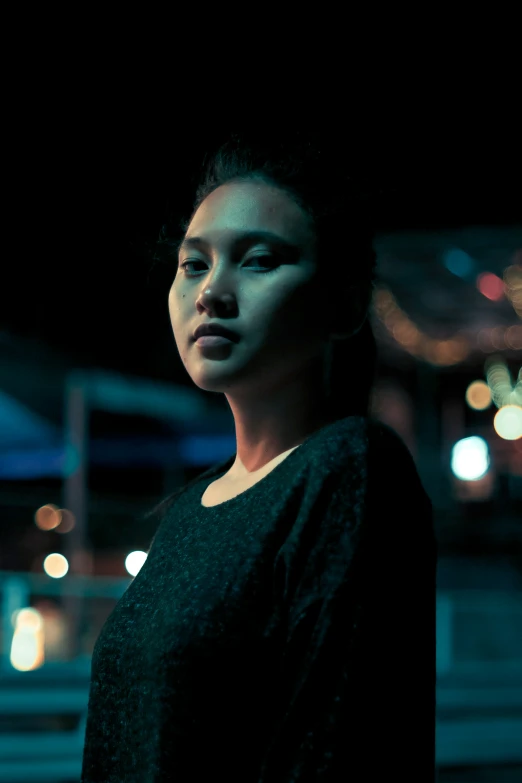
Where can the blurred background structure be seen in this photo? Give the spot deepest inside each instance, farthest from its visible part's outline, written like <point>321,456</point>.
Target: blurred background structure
<point>99,420</point>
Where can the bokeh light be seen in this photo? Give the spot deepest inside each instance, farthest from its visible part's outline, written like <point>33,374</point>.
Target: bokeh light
<point>508,422</point>
<point>478,395</point>
<point>470,458</point>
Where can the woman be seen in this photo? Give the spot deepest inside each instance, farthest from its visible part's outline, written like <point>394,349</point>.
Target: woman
<point>283,626</point>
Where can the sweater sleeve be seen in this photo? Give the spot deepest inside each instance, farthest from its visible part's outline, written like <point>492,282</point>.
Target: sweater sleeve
<point>357,685</point>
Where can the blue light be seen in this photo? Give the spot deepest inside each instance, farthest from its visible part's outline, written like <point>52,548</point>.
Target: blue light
<point>60,461</point>
<point>458,262</point>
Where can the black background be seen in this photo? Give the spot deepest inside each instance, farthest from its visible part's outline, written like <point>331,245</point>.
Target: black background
<point>86,195</point>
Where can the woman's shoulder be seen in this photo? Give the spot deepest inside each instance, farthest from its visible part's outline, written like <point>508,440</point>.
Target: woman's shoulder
<point>360,435</point>
<point>374,449</point>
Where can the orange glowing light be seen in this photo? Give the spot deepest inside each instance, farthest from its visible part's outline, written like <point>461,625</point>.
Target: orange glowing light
<point>48,517</point>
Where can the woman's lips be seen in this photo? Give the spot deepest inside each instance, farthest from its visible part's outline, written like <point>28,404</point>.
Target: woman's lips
<point>211,340</point>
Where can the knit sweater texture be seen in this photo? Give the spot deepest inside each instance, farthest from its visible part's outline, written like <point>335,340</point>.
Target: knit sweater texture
<point>284,636</point>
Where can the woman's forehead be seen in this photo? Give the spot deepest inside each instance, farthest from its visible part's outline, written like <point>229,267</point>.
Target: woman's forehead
<point>237,207</point>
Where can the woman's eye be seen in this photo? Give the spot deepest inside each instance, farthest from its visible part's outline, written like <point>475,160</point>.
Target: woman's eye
<point>269,262</point>
<point>186,264</point>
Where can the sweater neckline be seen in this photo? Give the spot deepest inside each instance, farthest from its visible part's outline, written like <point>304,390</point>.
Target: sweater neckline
<point>261,483</point>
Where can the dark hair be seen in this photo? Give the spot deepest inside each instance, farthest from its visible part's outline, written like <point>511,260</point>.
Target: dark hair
<point>332,198</point>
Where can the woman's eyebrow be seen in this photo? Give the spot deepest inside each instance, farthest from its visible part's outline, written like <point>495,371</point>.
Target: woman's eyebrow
<point>244,237</point>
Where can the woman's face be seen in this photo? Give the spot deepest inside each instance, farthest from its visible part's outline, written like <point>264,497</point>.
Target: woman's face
<point>252,248</point>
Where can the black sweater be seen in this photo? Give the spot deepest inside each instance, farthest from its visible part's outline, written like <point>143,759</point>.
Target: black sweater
<point>287,634</point>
